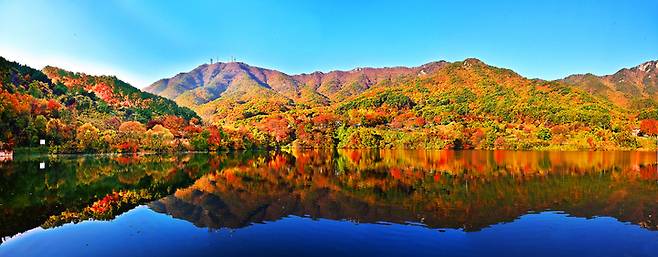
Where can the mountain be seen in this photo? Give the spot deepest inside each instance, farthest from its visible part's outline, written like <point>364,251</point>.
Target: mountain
<point>209,81</point>
<point>473,91</point>
<point>463,104</point>
<point>635,87</point>
<point>213,89</point>
<point>221,89</point>
<point>340,85</point>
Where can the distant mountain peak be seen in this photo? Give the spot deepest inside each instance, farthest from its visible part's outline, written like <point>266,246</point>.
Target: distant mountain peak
<point>626,87</point>
<point>650,66</point>
<point>473,61</point>
<point>470,62</point>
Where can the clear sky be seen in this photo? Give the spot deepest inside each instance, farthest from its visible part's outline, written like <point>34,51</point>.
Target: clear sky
<point>143,41</point>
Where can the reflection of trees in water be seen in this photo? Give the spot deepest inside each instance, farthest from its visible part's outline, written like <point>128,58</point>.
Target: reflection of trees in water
<point>30,195</point>
<point>470,190</point>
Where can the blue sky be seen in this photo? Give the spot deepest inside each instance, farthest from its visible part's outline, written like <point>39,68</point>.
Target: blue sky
<point>143,41</point>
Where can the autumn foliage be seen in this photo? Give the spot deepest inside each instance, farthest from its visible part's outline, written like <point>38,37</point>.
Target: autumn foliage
<point>649,127</point>
<point>460,105</point>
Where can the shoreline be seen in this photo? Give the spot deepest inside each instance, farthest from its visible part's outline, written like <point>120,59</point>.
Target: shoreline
<point>26,152</point>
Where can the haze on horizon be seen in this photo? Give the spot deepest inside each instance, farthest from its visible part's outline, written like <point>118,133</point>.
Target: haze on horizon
<point>141,42</point>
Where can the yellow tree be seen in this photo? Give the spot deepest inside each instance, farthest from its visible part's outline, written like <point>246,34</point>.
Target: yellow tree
<point>159,138</point>
<point>87,137</point>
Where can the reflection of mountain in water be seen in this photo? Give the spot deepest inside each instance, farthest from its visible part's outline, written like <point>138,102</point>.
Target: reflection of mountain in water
<point>469,190</point>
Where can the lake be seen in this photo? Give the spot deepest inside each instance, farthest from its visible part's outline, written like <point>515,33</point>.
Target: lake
<point>332,203</point>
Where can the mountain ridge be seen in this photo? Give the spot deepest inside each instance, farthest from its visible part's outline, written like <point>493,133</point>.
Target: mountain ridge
<point>202,85</point>
<point>634,87</point>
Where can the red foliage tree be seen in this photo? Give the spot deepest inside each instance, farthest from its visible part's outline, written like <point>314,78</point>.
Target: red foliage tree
<point>53,105</point>
<point>175,124</point>
<point>215,138</point>
<point>277,127</point>
<point>649,127</point>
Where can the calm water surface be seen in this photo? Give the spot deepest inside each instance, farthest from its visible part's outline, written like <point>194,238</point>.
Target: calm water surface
<point>324,203</point>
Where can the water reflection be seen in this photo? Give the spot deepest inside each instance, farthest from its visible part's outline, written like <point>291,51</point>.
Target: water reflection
<point>443,189</point>
<point>469,190</point>
<point>29,196</point>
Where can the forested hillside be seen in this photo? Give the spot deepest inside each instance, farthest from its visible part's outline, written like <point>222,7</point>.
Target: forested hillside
<point>635,88</point>
<point>75,112</point>
<point>466,104</point>
<point>439,105</point>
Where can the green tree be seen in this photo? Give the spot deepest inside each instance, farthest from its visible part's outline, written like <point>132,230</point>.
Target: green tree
<point>544,134</point>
